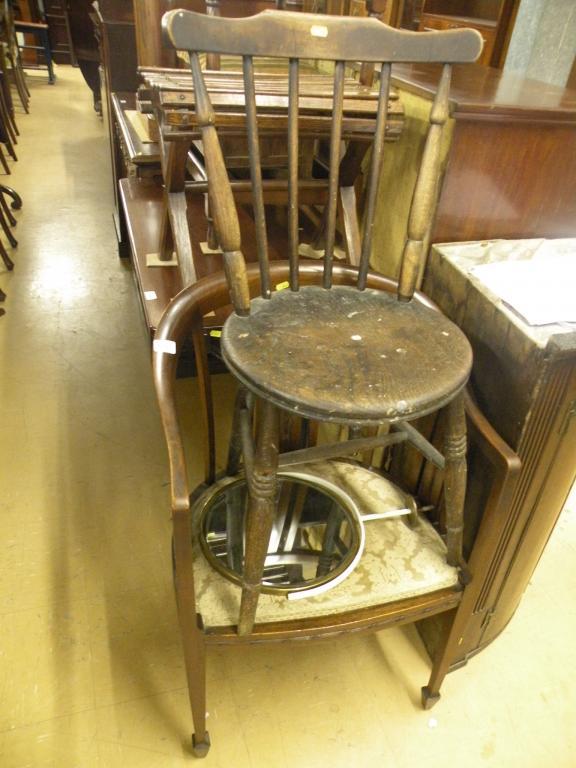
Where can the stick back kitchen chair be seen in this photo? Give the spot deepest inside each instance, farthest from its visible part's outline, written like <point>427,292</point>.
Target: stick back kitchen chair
<point>355,355</point>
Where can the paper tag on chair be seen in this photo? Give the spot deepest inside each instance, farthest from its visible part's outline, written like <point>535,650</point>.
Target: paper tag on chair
<point>164,345</point>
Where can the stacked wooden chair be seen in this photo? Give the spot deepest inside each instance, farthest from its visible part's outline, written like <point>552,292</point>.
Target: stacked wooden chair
<point>8,220</point>
<point>295,539</point>
<point>11,52</point>
<point>8,129</point>
<point>169,93</point>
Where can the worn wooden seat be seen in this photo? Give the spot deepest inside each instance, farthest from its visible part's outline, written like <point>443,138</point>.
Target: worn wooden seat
<point>356,355</point>
<point>391,360</point>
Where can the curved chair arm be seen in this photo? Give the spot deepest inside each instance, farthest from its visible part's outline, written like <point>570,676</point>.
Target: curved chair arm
<point>507,465</point>
<point>504,459</point>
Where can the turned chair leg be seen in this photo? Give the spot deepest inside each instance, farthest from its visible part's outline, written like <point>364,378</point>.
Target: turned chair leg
<point>454,494</point>
<point>455,478</point>
<point>262,485</point>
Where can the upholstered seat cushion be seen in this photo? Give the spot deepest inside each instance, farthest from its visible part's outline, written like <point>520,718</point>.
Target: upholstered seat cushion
<point>398,561</point>
<point>347,355</point>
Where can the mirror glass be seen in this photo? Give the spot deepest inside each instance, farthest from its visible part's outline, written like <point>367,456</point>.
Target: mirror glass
<point>314,536</point>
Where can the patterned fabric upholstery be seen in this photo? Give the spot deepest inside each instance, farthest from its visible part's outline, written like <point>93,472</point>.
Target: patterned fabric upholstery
<point>398,562</point>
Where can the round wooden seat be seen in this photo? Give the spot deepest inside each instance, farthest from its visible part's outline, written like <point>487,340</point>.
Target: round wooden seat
<point>347,355</point>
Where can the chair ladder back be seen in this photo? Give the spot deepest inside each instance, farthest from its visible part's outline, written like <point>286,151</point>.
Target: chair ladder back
<point>374,176</point>
<point>220,194</point>
<point>424,196</point>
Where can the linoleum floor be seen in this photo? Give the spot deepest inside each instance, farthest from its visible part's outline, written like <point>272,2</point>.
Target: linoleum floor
<point>91,671</point>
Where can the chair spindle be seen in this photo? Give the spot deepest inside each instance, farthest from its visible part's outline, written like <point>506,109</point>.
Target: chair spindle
<point>374,175</point>
<point>222,204</point>
<point>335,138</point>
<point>293,89</point>
<point>256,174</point>
<point>425,191</point>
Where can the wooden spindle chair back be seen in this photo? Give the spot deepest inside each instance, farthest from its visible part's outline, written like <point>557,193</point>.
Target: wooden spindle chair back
<point>297,36</point>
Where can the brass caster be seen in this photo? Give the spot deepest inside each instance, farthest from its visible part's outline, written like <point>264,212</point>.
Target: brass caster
<point>200,748</point>
<point>428,699</point>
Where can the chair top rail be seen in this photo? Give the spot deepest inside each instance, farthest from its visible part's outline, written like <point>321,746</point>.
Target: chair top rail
<point>281,34</point>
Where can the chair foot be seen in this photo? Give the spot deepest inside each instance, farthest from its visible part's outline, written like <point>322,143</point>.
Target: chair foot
<point>429,699</point>
<point>200,748</point>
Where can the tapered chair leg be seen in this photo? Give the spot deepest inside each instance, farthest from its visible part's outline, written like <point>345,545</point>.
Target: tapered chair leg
<point>191,630</point>
<point>262,485</point>
<point>454,494</point>
<point>8,122</point>
<point>6,229</point>
<point>7,141</point>
<point>8,263</point>
<point>20,83</point>
<point>7,212</point>
<point>4,163</point>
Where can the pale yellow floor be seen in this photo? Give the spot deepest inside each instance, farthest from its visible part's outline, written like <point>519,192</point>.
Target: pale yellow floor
<point>91,671</point>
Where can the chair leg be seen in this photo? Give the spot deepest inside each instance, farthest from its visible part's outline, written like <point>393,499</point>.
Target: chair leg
<point>454,493</point>
<point>191,629</point>
<point>241,405</point>
<point>48,57</point>
<point>3,223</point>
<point>20,83</point>
<point>262,484</point>
<point>4,163</point>
<point>20,67</point>
<point>8,263</point>
<point>8,213</point>
<point>6,116</point>
<point>2,295</point>
<point>455,478</point>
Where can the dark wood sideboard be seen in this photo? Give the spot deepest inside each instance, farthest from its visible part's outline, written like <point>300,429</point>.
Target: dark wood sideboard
<point>117,41</point>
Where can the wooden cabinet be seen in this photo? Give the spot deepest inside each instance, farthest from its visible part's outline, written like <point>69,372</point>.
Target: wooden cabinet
<point>524,379</point>
<point>493,19</point>
<point>117,42</point>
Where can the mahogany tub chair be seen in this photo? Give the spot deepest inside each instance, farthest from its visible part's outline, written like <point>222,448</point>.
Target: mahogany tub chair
<point>337,347</point>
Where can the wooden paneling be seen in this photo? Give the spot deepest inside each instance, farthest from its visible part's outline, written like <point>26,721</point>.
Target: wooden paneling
<point>511,168</point>
<point>507,181</point>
